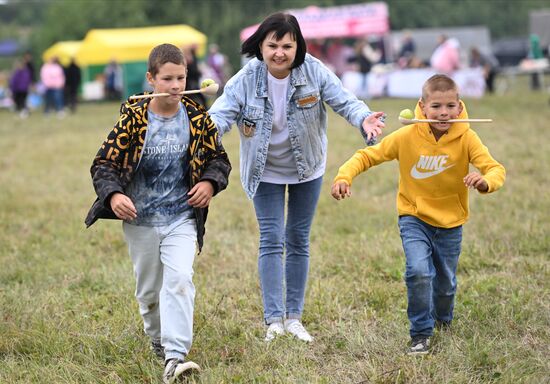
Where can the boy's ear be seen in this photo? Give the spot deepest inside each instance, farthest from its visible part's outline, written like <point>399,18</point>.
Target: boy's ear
<point>460,106</point>
<point>149,77</point>
<point>422,106</point>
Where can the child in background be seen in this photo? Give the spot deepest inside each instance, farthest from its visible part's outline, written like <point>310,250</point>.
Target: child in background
<point>157,171</point>
<point>432,201</point>
<point>20,83</point>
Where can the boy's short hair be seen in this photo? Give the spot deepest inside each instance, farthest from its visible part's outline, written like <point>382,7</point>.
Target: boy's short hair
<point>438,83</point>
<point>162,54</point>
<point>279,23</point>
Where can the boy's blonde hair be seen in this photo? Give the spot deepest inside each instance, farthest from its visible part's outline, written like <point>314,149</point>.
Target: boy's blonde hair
<point>162,54</point>
<point>438,83</point>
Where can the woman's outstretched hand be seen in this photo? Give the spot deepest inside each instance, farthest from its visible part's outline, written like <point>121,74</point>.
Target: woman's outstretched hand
<point>372,125</point>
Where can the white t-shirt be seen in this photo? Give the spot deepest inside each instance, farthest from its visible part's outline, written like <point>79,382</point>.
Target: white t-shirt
<point>280,165</point>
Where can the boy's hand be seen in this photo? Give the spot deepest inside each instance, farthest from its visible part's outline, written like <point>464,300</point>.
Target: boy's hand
<point>475,180</point>
<point>123,207</point>
<point>340,190</point>
<point>372,125</point>
<point>201,194</point>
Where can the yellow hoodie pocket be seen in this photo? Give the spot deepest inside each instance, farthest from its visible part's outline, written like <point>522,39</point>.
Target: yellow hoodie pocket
<point>440,211</point>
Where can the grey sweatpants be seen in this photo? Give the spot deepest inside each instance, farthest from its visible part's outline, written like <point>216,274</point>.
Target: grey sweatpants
<point>163,266</point>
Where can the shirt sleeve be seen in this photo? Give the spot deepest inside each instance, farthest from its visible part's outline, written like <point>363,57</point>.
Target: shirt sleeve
<point>342,101</point>
<point>225,110</point>
<point>368,157</point>
<point>493,172</point>
<point>107,164</point>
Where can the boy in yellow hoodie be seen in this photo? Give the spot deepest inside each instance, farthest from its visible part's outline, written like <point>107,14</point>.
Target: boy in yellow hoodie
<point>432,201</point>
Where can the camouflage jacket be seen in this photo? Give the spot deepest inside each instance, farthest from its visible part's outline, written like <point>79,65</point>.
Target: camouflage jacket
<point>116,161</point>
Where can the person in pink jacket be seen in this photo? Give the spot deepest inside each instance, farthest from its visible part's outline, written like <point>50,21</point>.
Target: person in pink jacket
<point>446,57</point>
<point>53,79</point>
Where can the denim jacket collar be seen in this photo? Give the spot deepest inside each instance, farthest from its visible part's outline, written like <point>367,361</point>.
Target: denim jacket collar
<point>297,77</point>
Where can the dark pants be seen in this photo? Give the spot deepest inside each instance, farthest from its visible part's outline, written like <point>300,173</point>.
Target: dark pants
<point>20,100</point>
<point>490,81</point>
<point>71,98</point>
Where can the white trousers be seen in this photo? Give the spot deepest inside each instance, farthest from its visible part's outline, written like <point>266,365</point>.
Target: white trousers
<point>163,266</point>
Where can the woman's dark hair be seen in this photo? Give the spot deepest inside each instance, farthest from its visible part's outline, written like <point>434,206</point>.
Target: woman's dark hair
<point>280,24</point>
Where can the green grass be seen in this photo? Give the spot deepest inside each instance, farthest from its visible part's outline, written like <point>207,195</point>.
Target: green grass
<point>68,314</point>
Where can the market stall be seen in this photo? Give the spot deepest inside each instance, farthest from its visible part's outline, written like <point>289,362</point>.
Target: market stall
<point>63,50</point>
<point>129,47</point>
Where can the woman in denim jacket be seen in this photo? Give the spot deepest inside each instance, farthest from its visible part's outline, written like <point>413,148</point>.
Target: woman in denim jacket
<point>276,101</point>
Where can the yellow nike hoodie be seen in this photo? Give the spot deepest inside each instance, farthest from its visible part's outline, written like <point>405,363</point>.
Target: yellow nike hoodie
<point>431,172</point>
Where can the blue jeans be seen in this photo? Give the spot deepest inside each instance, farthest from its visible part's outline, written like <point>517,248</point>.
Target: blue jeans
<point>53,99</point>
<point>275,236</point>
<point>432,257</point>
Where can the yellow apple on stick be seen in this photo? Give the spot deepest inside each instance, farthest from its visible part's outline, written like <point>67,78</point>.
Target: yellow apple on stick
<point>406,114</point>
<point>206,82</point>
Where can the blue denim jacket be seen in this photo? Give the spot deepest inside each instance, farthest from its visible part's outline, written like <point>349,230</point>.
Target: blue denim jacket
<point>245,102</point>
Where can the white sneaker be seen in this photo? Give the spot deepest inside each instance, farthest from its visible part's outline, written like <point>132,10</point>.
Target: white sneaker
<point>295,328</point>
<point>274,330</point>
<point>176,368</point>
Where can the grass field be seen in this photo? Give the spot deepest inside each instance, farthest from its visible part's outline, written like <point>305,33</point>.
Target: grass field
<point>67,307</point>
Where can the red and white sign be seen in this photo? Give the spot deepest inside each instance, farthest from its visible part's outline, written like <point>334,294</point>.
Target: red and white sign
<point>342,21</point>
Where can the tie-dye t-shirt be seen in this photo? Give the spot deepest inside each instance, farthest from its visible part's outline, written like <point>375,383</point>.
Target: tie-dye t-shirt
<point>159,188</point>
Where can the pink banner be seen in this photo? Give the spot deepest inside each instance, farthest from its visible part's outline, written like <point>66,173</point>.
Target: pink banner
<point>342,21</point>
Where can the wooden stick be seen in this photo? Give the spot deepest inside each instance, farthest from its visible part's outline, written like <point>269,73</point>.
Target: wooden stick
<point>411,121</point>
<point>470,121</point>
<point>134,97</point>
<point>210,90</point>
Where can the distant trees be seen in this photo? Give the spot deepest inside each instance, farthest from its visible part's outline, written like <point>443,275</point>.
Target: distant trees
<point>222,20</point>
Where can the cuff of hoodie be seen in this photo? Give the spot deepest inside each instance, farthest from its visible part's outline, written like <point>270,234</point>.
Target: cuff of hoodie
<point>339,178</point>
<point>490,188</point>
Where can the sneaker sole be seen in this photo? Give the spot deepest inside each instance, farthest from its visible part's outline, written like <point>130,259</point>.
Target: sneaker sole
<point>420,353</point>
<point>270,339</point>
<point>295,336</point>
<point>185,369</point>
<point>270,336</point>
<point>303,340</point>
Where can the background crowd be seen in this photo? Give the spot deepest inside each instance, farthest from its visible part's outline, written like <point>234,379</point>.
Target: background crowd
<point>57,88</point>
